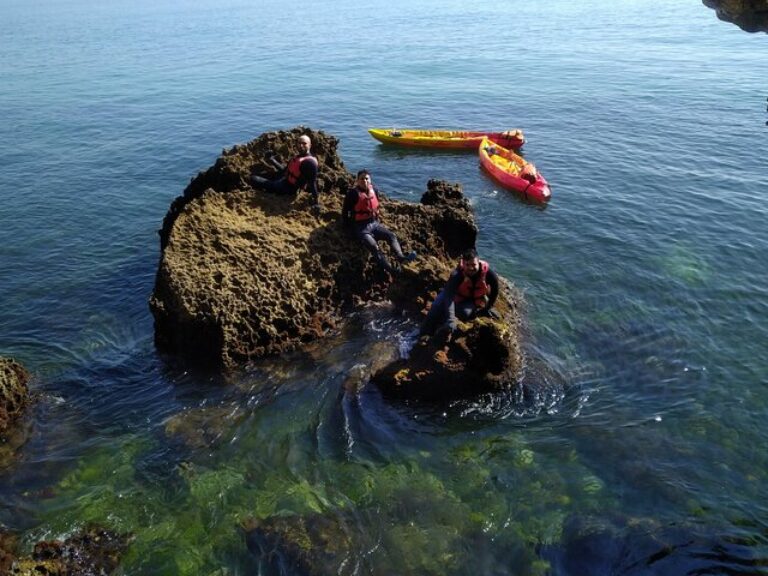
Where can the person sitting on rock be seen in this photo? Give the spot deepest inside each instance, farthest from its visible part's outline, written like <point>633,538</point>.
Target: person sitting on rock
<point>471,291</point>
<point>299,173</point>
<point>361,214</point>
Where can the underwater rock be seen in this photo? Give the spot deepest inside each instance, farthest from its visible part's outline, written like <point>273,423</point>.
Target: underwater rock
<point>314,545</point>
<point>14,393</point>
<point>204,427</point>
<point>91,552</point>
<point>9,544</point>
<point>749,15</point>
<point>245,274</point>
<point>482,355</point>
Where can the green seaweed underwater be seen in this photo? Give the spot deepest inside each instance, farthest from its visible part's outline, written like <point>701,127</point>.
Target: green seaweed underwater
<point>425,514</point>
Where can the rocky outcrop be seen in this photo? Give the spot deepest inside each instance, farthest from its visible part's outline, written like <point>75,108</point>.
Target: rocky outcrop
<point>245,274</point>
<point>480,356</point>
<point>749,15</point>
<point>14,393</point>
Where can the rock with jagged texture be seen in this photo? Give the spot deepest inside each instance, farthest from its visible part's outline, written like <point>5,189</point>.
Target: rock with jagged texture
<point>480,356</point>
<point>749,15</point>
<point>246,274</point>
<point>90,552</point>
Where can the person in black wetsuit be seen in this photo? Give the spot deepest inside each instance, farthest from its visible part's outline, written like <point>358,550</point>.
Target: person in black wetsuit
<point>300,172</point>
<point>471,291</point>
<point>360,214</point>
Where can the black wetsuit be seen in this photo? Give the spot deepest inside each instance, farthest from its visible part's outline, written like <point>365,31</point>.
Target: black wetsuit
<point>369,231</point>
<point>444,310</point>
<point>307,179</point>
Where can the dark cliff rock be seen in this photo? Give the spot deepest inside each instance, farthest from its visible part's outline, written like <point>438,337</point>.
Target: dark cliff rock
<point>246,274</point>
<point>749,15</point>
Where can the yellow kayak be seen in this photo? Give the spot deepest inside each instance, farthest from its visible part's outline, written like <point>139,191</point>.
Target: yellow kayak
<point>446,139</point>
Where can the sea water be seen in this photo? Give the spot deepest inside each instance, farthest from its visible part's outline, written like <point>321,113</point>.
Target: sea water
<point>643,448</point>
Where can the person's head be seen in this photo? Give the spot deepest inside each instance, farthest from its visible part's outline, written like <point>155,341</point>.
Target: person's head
<point>363,179</point>
<point>305,144</point>
<point>469,262</point>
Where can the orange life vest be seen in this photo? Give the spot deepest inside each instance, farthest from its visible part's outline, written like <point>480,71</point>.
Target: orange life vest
<point>293,170</point>
<point>367,206</point>
<point>475,288</point>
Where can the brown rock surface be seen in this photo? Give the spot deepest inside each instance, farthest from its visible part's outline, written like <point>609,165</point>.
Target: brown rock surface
<point>480,356</point>
<point>14,394</point>
<point>244,274</point>
<point>90,552</point>
<point>749,15</point>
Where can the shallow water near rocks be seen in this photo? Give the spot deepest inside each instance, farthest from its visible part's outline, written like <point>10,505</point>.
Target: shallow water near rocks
<point>642,449</point>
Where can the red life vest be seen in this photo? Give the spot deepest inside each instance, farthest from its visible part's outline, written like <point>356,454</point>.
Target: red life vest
<point>367,206</point>
<point>293,170</point>
<point>475,288</point>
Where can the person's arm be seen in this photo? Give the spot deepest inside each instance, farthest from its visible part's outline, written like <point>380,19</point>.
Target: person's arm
<point>276,163</point>
<point>348,209</point>
<point>309,175</point>
<point>493,283</point>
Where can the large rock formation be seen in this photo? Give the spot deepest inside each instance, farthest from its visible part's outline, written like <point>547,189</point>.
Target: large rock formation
<point>749,15</point>
<point>244,274</point>
<point>14,394</point>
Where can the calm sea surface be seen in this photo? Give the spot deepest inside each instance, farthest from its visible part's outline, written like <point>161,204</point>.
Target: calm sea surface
<point>644,449</point>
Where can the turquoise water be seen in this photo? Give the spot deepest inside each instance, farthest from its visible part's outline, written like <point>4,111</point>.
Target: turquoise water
<point>645,285</point>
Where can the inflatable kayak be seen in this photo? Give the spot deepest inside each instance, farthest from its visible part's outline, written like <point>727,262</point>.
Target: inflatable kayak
<point>446,139</point>
<point>513,172</point>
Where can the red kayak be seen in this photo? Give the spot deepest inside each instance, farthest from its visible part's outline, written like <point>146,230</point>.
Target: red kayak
<point>513,172</point>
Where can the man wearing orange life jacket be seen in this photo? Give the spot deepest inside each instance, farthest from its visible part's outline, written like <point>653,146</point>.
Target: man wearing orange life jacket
<point>300,172</point>
<point>471,291</point>
<point>360,213</point>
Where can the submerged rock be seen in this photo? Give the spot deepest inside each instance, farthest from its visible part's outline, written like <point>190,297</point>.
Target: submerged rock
<point>203,427</point>
<point>14,393</point>
<point>91,552</point>
<point>749,15</point>
<point>314,545</point>
<point>245,274</point>
<point>9,545</point>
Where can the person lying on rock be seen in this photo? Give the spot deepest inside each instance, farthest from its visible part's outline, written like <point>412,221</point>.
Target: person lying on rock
<point>471,291</point>
<point>361,215</point>
<point>299,173</point>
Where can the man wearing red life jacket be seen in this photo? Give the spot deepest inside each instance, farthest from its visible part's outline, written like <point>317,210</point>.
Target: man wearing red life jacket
<point>360,213</point>
<point>471,291</point>
<point>299,173</point>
